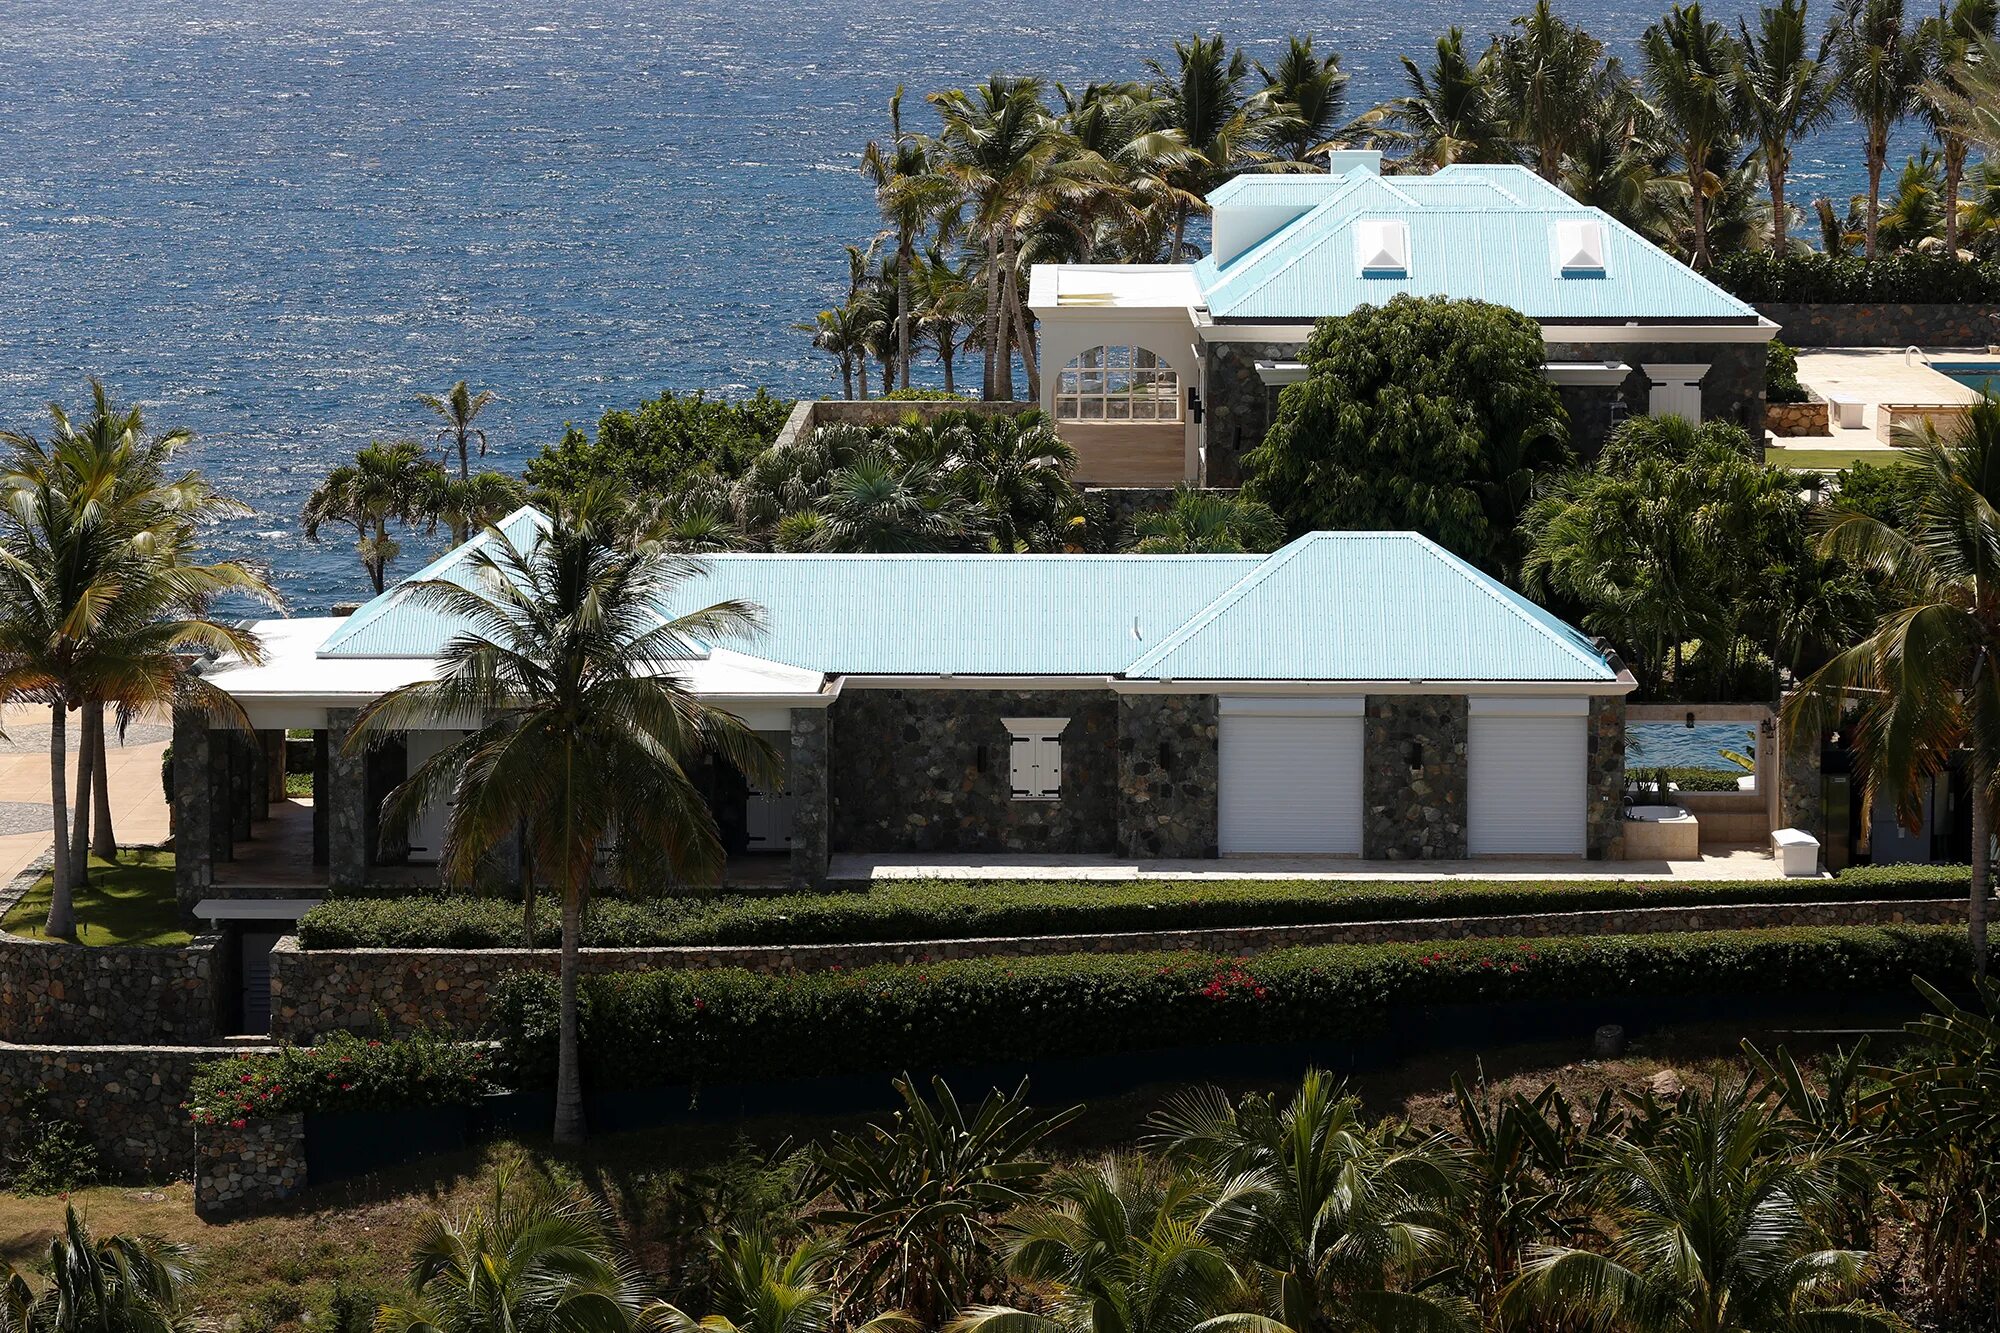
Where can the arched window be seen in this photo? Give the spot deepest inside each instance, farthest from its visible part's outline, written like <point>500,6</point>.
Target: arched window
<point>1118,384</point>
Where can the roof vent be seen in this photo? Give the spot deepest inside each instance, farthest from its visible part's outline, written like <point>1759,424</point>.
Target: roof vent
<point>1382,247</point>
<point>1580,248</point>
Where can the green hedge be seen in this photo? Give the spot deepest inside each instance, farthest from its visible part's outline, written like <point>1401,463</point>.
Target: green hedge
<point>343,1073</point>
<point>1811,278</point>
<point>644,1028</point>
<point>960,909</point>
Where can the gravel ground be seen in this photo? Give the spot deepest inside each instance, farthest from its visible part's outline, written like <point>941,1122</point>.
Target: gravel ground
<point>24,817</point>
<point>23,738</point>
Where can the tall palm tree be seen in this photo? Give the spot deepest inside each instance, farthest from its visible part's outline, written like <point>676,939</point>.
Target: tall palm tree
<point>1200,522</point>
<point>1954,38</point>
<point>943,310</point>
<point>840,331</point>
<point>1785,92</point>
<point>1883,62</point>
<point>1202,103</point>
<point>1690,63</point>
<point>1924,683</point>
<point>909,194</point>
<point>760,1290</point>
<point>458,408</point>
<point>1017,470</point>
<point>120,1284</point>
<point>589,733</point>
<point>1974,97</point>
<point>1719,1223</point>
<point>1546,73</point>
<point>465,503</point>
<point>388,482</point>
<point>1451,112</point>
<point>1306,93</point>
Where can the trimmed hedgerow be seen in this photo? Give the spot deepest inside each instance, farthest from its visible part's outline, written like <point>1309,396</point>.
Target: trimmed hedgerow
<point>342,1073</point>
<point>672,1026</point>
<point>1687,779</point>
<point>962,909</point>
<point>1810,278</point>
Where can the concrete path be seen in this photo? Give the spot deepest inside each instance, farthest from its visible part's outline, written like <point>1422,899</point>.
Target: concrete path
<point>138,805</point>
<point>1724,863</point>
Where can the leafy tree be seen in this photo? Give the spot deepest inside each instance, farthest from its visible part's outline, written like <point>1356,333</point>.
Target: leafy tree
<point>590,733</point>
<point>1690,63</point>
<point>458,409</point>
<point>652,450</point>
<point>1199,522</point>
<point>1883,62</point>
<point>1307,95</point>
<point>1423,413</point>
<point>1953,37</point>
<point>1785,92</point>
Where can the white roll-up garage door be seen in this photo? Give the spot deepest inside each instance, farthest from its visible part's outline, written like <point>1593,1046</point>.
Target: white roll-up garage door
<point>1526,776</point>
<point>1291,776</point>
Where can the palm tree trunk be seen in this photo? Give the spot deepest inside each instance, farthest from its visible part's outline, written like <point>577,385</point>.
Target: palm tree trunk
<point>569,1075</point>
<point>464,470</point>
<point>846,376</point>
<point>1698,213</point>
<point>1876,160</point>
<point>62,911</point>
<point>79,842</point>
<point>991,318</point>
<point>1778,220</point>
<point>1012,280</point>
<point>1982,868</point>
<point>1954,174</point>
<point>905,256</point>
<point>103,838</point>
<point>1180,231</point>
<point>944,356</point>
<point>527,887</point>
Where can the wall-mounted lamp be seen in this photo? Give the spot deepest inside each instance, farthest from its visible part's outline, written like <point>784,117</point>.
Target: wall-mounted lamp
<point>1194,404</point>
<point>1413,754</point>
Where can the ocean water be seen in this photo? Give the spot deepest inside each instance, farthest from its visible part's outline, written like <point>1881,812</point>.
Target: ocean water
<point>275,222</point>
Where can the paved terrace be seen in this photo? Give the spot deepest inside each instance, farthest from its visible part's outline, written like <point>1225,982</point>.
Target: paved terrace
<point>138,804</point>
<point>1728,863</point>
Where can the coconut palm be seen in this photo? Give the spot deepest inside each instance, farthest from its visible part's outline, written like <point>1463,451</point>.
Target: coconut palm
<point>388,482</point>
<point>121,1284</point>
<point>1923,682</point>
<point>1202,104</point>
<point>1718,1222</point>
<point>1548,77</point>
<point>1201,522</point>
<point>1451,112</point>
<point>943,309</point>
<point>1883,62</point>
<point>842,332</point>
<point>1114,137</point>
<point>458,408</point>
<point>1785,92</point>
<point>1973,97</point>
<point>909,194</point>
<point>465,503</point>
<point>588,731</point>
<point>759,1290</point>
<point>527,1261</point>
<point>1306,93</point>
<point>1690,64</point>
<point>1953,37</point>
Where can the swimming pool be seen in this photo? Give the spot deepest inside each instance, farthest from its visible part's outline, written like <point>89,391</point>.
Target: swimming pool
<point>1981,375</point>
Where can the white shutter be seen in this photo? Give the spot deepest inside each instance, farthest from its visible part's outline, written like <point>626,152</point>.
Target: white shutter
<point>1291,780</point>
<point>1034,759</point>
<point>1526,775</point>
<point>1676,390</point>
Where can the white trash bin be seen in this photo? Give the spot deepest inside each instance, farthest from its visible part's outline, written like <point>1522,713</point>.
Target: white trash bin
<point>1797,850</point>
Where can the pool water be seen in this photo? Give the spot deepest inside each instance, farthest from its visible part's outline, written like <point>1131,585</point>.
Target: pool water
<point>1983,376</point>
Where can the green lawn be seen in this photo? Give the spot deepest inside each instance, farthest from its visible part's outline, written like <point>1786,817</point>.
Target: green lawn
<point>130,901</point>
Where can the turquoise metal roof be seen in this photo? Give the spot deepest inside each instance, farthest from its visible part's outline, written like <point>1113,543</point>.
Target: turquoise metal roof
<point>1330,606</point>
<point>1482,232</point>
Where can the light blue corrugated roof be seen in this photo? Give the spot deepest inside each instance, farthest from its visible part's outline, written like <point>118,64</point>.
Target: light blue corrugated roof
<point>1330,606</point>
<point>1479,232</point>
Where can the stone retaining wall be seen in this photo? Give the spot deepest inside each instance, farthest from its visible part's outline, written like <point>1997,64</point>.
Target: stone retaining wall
<point>53,992</point>
<point>1792,419</point>
<point>240,1170</point>
<point>1885,324</point>
<point>314,992</point>
<point>810,414</point>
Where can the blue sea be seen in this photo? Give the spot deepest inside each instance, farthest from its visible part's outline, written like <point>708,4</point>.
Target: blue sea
<point>274,222</point>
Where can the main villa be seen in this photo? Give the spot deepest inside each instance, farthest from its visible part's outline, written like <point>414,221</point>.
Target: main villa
<point>1163,373</point>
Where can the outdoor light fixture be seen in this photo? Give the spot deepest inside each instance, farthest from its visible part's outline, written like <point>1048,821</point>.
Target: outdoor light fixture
<point>1414,753</point>
<point>1194,404</point>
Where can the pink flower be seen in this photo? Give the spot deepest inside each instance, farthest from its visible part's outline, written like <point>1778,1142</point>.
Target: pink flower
<point>238,1124</point>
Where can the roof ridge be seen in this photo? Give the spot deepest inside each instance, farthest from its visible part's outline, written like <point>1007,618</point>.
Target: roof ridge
<point>1511,600</point>
<point>383,602</point>
<point>1222,601</point>
<point>1349,184</point>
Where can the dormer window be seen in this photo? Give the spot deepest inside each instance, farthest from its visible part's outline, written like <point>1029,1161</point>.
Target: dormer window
<point>1382,247</point>
<point>1580,248</point>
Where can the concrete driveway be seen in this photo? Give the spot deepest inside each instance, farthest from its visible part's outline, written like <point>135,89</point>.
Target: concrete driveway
<point>138,806</point>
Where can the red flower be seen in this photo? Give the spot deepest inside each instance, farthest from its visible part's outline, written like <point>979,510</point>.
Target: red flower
<point>347,1087</point>
<point>238,1124</point>
<point>244,1079</point>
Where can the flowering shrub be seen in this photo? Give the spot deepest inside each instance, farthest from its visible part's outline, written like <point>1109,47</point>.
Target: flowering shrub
<point>343,1073</point>
<point>670,1025</point>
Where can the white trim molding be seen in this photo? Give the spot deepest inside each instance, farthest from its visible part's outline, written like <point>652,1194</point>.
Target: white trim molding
<point>1760,332</point>
<point>1607,374</point>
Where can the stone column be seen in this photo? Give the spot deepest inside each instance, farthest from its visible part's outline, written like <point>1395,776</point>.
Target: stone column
<point>245,781</point>
<point>1801,797</point>
<point>346,798</point>
<point>274,767</point>
<point>222,803</point>
<point>1414,750</point>
<point>1168,776</point>
<point>194,844</point>
<point>322,786</point>
<point>1604,789</point>
<point>809,797</point>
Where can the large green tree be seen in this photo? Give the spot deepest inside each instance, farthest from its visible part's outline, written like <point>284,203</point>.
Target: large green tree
<point>1307,97</point>
<point>649,451</point>
<point>1452,111</point>
<point>1548,74</point>
<point>1424,413</point>
<point>1883,62</point>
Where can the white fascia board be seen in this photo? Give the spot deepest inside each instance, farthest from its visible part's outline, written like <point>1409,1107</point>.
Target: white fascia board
<point>1254,333</point>
<point>1760,332</point>
<point>1609,373</point>
<point>1624,684</point>
<point>952,681</point>
<point>1282,372</point>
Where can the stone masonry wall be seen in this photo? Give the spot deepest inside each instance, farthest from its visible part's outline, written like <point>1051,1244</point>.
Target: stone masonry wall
<point>1604,781</point>
<point>1790,419</point>
<point>927,771</point>
<point>241,1170</point>
<point>1414,811</point>
<point>78,993</point>
<point>1732,390</point>
<point>127,1098</point>
<point>1236,404</point>
<point>1884,325</point>
<point>1168,775</point>
<point>808,772</point>
<point>318,991</point>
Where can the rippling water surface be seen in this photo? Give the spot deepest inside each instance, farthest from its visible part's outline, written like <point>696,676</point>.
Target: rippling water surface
<point>275,221</point>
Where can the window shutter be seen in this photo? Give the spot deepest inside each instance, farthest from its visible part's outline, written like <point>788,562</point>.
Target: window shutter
<point>1021,766</point>
<point>1034,759</point>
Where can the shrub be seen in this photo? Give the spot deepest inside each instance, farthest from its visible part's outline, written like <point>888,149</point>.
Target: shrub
<point>925,396</point>
<point>1687,779</point>
<point>52,1154</point>
<point>653,449</point>
<point>733,1024</point>
<point>343,1073</point>
<point>961,909</point>
<point>1811,277</point>
<point>1781,374</point>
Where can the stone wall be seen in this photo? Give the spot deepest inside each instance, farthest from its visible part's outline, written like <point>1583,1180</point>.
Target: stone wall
<point>807,781</point>
<point>1414,810</point>
<point>324,990</point>
<point>1604,780</point>
<point>241,1170</point>
<point>927,771</point>
<point>1236,403</point>
<point>78,993</point>
<point>810,414</point>
<point>1732,390</point>
<point>1168,775</point>
<point>1801,798</point>
<point>1884,325</point>
<point>127,1098</point>
<point>1788,420</point>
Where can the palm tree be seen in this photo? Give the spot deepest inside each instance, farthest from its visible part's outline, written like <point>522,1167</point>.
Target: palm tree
<point>1201,103</point>
<point>1690,63</point>
<point>840,331</point>
<point>1924,681</point>
<point>1200,522</point>
<point>1017,470</point>
<point>943,309</point>
<point>526,1261</point>
<point>1307,94</point>
<point>589,731</point>
<point>1719,1223</point>
<point>121,1284</point>
<point>1785,92</point>
<point>101,596</point>
<point>762,1291</point>
<point>1953,38</point>
<point>387,482</point>
<point>879,504</point>
<point>1882,65</point>
<point>466,503</point>
<point>1974,96</point>
<point>459,408</point>
<point>1451,112</point>
<point>1546,74</point>
<point>909,194</point>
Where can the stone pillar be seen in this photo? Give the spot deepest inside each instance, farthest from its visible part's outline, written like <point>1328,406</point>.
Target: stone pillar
<point>274,768</point>
<point>1801,796</point>
<point>346,798</point>
<point>1168,776</point>
<point>809,797</point>
<point>1413,774</point>
<point>194,844</point>
<point>245,781</point>
<point>1604,782</point>
<point>222,818</point>
<point>322,785</point>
